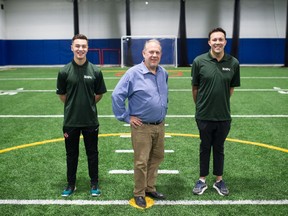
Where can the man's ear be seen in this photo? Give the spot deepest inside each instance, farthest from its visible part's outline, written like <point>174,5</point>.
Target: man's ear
<point>209,42</point>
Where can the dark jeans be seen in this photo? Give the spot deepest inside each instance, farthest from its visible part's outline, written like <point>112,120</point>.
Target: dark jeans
<point>72,138</point>
<point>212,136</point>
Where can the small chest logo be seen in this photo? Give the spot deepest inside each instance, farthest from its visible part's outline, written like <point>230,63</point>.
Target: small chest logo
<point>87,77</point>
<point>226,69</point>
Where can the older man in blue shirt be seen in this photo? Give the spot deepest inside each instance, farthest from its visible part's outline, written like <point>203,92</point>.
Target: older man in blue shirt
<point>146,87</point>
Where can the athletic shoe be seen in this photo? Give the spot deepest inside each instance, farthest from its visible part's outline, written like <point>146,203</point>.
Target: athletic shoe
<point>68,190</point>
<point>199,188</point>
<point>95,191</point>
<point>221,188</point>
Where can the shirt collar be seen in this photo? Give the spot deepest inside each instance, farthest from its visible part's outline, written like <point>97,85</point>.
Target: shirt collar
<point>84,65</point>
<point>225,57</point>
<point>145,69</point>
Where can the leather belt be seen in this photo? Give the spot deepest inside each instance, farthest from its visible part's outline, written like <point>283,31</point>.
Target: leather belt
<point>152,123</point>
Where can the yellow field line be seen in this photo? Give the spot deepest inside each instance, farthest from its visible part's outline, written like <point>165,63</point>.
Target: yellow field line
<point>30,145</point>
<point>258,144</point>
<point>171,134</point>
<point>237,141</point>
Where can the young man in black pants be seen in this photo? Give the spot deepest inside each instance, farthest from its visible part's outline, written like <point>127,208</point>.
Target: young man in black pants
<point>80,85</point>
<point>214,76</point>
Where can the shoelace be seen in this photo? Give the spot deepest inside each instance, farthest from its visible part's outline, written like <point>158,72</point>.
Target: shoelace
<point>200,184</point>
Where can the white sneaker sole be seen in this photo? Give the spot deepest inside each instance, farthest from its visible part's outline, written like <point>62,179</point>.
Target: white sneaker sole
<point>219,192</point>
<point>66,195</point>
<point>95,195</point>
<point>203,190</point>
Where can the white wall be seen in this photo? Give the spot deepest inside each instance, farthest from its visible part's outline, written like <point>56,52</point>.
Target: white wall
<point>158,17</point>
<point>258,18</point>
<point>39,19</point>
<point>102,18</point>
<point>203,15</point>
<point>263,19</point>
<point>53,19</point>
<point>2,21</point>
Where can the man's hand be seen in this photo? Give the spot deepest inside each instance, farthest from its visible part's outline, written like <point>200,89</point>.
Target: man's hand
<point>135,122</point>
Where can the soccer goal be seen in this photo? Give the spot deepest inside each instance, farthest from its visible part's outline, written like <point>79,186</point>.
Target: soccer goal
<point>132,46</point>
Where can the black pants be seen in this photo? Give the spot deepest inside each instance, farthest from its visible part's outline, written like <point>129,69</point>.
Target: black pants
<point>72,139</point>
<point>212,136</point>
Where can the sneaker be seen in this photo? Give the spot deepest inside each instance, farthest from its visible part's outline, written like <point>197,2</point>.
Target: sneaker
<point>68,191</point>
<point>199,188</point>
<point>95,192</point>
<point>221,188</point>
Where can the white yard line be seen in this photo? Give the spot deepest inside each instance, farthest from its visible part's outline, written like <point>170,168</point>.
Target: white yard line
<point>168,116</point>
<point>117,78</point>
<point>16,91</point>
<point>157,202</point>
<point>9,91</point>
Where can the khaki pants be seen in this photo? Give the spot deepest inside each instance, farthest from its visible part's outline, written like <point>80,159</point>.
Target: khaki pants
<point>148,145</point>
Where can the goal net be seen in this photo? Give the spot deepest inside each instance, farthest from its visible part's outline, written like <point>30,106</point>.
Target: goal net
<point>132,46</point>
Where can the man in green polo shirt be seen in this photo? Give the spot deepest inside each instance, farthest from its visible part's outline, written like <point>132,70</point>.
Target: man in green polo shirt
<point>80,85</point>
<point>214,76</point>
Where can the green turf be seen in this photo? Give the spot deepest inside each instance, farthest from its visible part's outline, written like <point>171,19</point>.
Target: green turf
<point>38,172</point>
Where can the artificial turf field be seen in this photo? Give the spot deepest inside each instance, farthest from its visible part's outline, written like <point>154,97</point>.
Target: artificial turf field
<point>32,154</point>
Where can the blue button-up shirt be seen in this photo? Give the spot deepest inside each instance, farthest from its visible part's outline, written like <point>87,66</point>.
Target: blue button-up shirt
<point>147,94</point>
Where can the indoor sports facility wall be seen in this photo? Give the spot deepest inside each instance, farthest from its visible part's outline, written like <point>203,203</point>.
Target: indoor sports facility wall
<point>39,32</point>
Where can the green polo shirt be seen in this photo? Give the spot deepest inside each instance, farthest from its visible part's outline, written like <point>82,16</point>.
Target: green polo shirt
<point>214,80</point>
<point>80,84</point>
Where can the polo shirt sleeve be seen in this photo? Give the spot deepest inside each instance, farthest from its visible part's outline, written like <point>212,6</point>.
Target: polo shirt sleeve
<point>61,83</point>
<point>99,85</point>
<point>195,73</point>
<point>235,82</point>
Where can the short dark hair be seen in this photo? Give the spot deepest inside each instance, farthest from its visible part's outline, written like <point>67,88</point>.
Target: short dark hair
<point>79,36</point>
<point>216,30</point>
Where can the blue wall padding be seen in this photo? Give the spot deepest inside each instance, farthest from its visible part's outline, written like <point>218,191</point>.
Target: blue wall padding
<point>55,52</point>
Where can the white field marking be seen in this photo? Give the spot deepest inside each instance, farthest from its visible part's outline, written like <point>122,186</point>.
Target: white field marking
<point>259,116</point>
<point>26,79</point>
<point>222,202</point>
<point>236,89</point>
<point>10,92</point>
<point>281,91</point>
<point>132,171</point>
<point>233,116</point>
<point>156,202</point>
<point>7,93</point>
<point>168,116</point>
<point>170,90</point>
<point>117,78</point>
<point>64,202</point>
<point>132,151</point>
<point>129,136</point>
<point>31,116</point>
<point>276,77</point>
<point>128,125</point>
<point>265,77</point>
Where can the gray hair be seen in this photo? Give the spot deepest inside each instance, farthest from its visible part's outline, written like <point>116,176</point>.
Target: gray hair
<point>152,41</point>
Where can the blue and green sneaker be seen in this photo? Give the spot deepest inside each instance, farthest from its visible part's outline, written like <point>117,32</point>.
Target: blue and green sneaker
<point>68,190</point>
<point>95,191</point>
